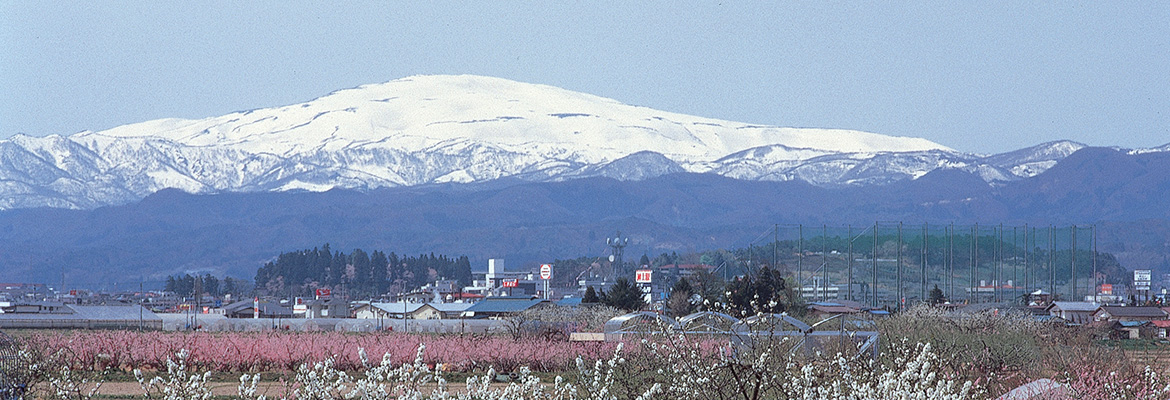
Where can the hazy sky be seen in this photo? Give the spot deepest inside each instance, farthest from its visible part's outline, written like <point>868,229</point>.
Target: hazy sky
<point>976,76</point>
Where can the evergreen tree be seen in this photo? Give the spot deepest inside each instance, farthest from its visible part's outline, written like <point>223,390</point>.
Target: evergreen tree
<point>590,296</point>
<point>378,266</point>
<point>229,286</point>
<point>210,285</point>
<point>186,285</point>
<point>644,261</point>
<point>338,270</point>
<point>361,272</point>
<point>936,296</point>
<point>463,271</point>
<point>624,295</point>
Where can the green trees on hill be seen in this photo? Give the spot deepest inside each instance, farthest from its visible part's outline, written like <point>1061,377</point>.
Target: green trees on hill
<point>357,274</point>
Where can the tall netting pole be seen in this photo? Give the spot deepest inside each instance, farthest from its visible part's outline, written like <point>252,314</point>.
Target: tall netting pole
<point>1072,259</point>
<point>873,285</point>
<point>849,280</point>
<point>925,254</point>
<point>900,300</point>
<point>1052,259</point>
<point>951,261</point>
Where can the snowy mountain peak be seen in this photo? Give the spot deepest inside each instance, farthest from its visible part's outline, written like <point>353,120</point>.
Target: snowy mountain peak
<point>424,112</point>
<point>441,129</point>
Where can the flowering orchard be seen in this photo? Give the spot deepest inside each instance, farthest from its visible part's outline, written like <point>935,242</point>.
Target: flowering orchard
<point>240,352</point>
<point>690,373</point>
<point>926,354</point>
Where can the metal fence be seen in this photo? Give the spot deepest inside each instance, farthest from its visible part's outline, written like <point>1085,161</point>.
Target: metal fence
<point>895,265</point>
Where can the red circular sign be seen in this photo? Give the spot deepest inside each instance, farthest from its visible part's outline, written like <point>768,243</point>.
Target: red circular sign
<point>546,271</point>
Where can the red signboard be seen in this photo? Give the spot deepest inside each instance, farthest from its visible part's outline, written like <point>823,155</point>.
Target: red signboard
<point>509,283</point>
<point>323,293</point>
<point>546,271</point>
<point>1107,288</point>
<point>642,276</point>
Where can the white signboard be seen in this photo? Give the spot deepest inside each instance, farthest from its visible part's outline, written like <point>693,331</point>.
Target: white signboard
<point>1142,275</point>
<point>546,271</point>
<point>642,276</point>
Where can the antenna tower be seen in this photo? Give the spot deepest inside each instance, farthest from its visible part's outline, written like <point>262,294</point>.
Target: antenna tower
<point>618,244</point>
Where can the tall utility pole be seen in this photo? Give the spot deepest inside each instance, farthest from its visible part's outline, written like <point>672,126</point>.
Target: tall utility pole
<point>140,303</point>
<point>1015,266</point>
<point>1073,261</point>
<point>1093,244</point>
<point>997,261</point>
<point>198,290</point>
<point>751,258</point>
<point>901,300</point>
<point>799,259</point>
<point>849,280</point>
<point>825,261</point>
<point>1052,260</point>
<point>776,247</point>
<point>950,282</point>
<point>873,286</point>
<point>974,263</point>
<point>925,254</point>
<point>1027,273</point>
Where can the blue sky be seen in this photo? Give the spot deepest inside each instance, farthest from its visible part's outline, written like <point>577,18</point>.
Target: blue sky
<point>976,76</point>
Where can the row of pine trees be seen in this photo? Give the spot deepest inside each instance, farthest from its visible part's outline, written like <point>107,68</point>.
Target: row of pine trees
<point>357,274</point>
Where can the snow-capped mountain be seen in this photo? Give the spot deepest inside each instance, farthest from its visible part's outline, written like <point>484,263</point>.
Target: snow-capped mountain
<point>441,129</point>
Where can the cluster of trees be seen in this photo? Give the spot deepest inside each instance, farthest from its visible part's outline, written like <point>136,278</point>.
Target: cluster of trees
<point>358,273</point>
<point>762,292</point>
<point>186,285</point>
<point>623,295</point>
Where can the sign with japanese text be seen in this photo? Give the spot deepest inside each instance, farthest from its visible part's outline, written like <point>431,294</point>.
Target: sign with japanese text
<point>643,276</point>
<point>1142,275</point>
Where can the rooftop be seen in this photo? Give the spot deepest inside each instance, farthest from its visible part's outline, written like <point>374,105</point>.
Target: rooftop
<point>1074,306</point>
<point>1135,312</point>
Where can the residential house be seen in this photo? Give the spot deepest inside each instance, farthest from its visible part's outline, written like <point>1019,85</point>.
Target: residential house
<point>1128,314</point>
<point>1160,327</point>
<point>440,311</point>
<point>1131,329</point>
<point>397,310</point>
<point>1073,312</point>
<point>327,308</point>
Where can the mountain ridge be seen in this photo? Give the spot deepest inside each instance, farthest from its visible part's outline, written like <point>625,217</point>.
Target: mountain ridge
<point>172,231</point>
<point>427,130</point>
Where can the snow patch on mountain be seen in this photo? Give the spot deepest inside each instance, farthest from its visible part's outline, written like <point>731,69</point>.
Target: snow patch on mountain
<point>458,129</point>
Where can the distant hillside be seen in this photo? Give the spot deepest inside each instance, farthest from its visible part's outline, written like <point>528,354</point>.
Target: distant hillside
<point>172,231</point>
